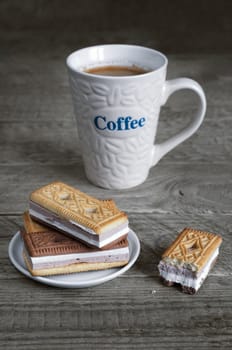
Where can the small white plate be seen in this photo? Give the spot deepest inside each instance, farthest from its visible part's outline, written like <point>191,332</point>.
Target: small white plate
<point>74,280</point>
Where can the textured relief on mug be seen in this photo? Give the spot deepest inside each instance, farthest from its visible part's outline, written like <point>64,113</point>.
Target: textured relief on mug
<point>116,111</point>
<point>117,116</point>
<point>109,114</point>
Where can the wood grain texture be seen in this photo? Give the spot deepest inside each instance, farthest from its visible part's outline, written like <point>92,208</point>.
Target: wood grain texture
<point>134,310</point>
<point>37,123</point>
<point>191,186</point>
<point>176,26</point>
<point>191,189</point>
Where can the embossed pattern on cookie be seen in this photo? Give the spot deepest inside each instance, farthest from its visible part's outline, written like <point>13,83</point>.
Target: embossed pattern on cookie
<point>73,204</point>
<point>47,252</point>
<point>93,221</point>
<point>189,259</point>
<point>192,248</point>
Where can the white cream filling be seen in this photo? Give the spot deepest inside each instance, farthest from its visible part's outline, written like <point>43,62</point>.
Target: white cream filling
<point>87,229</point>
<point>101,243</point>
<point>75,256</point>
<point>114,237</point>
<point>190,281</point>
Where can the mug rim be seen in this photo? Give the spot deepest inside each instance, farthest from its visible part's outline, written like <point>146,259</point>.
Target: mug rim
<point>105,77</point>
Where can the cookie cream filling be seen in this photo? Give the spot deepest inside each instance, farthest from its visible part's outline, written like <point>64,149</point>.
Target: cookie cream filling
<point>66,226</point>
<point>185,279</point>
<point>120,254</point>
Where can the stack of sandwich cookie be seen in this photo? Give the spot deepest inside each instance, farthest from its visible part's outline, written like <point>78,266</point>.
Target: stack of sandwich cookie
<point>49,252</point>
<point>189,259</point>
<point>67,231</point>
<point>94,222</point>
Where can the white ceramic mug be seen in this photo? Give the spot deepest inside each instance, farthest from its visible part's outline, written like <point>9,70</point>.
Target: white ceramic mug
<point>117,116</point>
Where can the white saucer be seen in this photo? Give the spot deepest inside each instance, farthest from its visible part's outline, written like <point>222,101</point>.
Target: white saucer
<point>74,280</point>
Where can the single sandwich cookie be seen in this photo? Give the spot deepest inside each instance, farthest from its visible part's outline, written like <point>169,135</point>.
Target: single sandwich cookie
<point>189,259</point>
<point>49,252</point>
<point>96,223</point>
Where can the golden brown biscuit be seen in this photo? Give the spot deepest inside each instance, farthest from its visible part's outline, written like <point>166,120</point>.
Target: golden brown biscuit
<point>72,204</point>
<point>189,259</point>
<point>95,222</point>
<point>193,248</point>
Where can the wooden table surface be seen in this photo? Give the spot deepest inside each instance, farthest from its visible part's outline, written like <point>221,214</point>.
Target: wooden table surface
<point>191,186</point>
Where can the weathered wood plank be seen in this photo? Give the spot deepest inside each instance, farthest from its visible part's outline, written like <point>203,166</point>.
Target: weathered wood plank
<point>155,231</point>
<point>29,28</point>
<point>189,187</point>
<point>49,141</point>
<point>126,339</point>
<point>170,188</point>
<point>33,91</point>
<point>130,316</point>
<point>134,310</point>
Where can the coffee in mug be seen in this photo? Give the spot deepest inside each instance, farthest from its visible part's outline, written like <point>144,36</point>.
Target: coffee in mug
<point>116,70</point>
<point>117,93</point>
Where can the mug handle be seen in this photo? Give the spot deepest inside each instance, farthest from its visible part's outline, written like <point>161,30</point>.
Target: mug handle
<point>170,86</point>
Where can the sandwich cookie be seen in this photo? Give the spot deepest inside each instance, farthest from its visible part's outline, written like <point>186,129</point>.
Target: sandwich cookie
<point>96,223</point>
<point>49,252</point>
<point>189,259</point>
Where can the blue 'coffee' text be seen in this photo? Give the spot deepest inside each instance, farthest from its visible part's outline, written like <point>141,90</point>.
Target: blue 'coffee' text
<point>122,123</point>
